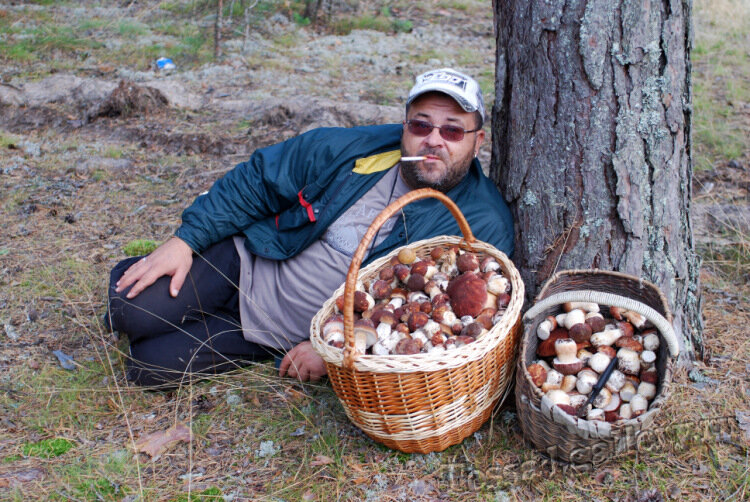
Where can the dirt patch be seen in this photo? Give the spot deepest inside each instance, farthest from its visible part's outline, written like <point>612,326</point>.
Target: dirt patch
<point>129,99</point>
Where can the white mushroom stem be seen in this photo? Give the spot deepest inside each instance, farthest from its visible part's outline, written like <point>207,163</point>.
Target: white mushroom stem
<point>599,362</point>
<point>638,405</point>
<point>625,411</point>
<point>568,383</point>
<point>546,327</point>
<point>647,390</point>
<point>586,380</point>
<point>558,396</point>
<point>603,398</point>
<point>635,318</point>
<point>497,284</point>
<point>431,327</point>
<point>616,381</point>
<point>595,414</point>
<point>585,306</point>
<point>627,391</point>
<point>628,361</point>
<point>651,342</point>
<point>396,302</point>
<point>335,337</point>
<point>606,337</point>
<point>648,358</point>
<point>543,364</point>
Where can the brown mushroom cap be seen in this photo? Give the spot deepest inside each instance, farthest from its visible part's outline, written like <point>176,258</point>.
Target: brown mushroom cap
<point>468,294</point>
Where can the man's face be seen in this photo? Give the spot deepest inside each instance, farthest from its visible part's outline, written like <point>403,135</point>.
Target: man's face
<point>447,162</point>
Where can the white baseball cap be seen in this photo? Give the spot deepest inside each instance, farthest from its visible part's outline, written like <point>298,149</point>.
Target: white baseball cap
<point>464,89</point>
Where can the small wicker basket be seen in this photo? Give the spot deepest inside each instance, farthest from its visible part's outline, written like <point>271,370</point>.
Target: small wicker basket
<point>424,402</point>
<point>564,437</point>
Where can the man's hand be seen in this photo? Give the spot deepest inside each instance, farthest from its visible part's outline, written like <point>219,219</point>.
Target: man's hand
<point>303,363</point>
<point>173,258</point>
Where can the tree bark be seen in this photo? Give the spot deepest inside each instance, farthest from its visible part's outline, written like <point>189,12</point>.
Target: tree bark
<point>591,143</point>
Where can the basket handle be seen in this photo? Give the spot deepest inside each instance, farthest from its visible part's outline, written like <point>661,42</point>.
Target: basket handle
<point>613,300</point>
<point>359,254</point>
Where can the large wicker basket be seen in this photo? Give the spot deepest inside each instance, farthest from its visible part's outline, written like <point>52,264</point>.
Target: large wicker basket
<point>425,402</point>
<point>564,437</point>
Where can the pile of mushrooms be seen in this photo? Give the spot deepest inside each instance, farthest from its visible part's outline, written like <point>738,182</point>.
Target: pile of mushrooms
<point>576,347</point>
<point>427,304</point>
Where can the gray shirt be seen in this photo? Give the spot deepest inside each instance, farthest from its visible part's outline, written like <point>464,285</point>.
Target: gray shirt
<point>278,299</point>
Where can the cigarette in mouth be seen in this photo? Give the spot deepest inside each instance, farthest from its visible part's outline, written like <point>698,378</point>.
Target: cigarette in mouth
<point>412,159</point>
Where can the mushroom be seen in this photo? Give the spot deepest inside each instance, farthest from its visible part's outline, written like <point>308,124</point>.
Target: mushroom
<point>585,306</point>
<point>625,411</point>
<point>407,346</point>
<point>616,381</point>
<point>595,414</point>
<point>468,262</point>
<point>538,374</point>
<point>584,355</point>
<point>649,375</point>
<point>554,381</point>
<point>558,396</point>
<point>489,264</point>
<point>365,335</point>
<point>647,358</point>
<point>606,337</point>
<point>636,319</point>
<point>647,390</point>
<point>613,404</point>
<point>568,383</point>
<point>627,391</point>
<point>468,294</point>
<point>587,378</point>
<point>651,342</point>
<point>638,405</point>
<point>566,361</point>
<point>628,361</point>
<point>577,400</point>
<point>580,332</point>
<point>603,398</point>
<point>595,321</point>
<point>629,342</point>
<point>497,284</point>
<point>545,327</point>
<point>599,362</point>
<point>574,317</point>
<point>407,256</point>
<point>381,289</point>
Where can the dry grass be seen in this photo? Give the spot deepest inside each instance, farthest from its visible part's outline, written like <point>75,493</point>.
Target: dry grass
<point>256,437</point>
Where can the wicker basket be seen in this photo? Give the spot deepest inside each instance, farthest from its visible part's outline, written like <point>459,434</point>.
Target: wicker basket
<point>424,402</point>
<point>554,432</point>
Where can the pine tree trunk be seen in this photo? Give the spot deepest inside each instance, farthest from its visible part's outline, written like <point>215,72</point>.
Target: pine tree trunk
<point>591,143</point>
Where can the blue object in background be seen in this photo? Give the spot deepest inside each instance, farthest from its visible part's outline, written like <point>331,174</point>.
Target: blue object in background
<point>165,64</point>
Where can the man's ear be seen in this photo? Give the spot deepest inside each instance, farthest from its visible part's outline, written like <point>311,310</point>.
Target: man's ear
<point>478,142</point>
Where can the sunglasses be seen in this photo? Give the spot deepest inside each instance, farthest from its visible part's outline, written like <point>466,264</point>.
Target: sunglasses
<point>447,132</point>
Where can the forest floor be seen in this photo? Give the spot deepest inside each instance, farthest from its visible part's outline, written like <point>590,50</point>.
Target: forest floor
<point>91,170</point>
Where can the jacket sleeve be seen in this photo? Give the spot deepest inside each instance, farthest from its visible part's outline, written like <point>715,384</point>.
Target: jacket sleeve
<point>264,185</point>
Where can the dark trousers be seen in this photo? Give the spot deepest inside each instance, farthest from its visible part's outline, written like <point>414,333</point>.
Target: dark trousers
<point>198,333</point>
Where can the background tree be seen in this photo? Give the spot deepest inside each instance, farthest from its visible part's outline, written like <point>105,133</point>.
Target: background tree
<point>591,142</point>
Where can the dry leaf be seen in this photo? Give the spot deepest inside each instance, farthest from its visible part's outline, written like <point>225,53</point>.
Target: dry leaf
<point>154,444</point>
<point>294,395</point>
<point>321,460</point>
<point>363,479</point>
<point>308,496</point>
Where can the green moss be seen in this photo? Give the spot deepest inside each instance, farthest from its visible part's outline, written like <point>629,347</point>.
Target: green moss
<point>47,448</point>
<point>139,247</point>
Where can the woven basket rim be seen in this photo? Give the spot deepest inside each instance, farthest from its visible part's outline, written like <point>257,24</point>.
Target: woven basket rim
<point>426,362</point>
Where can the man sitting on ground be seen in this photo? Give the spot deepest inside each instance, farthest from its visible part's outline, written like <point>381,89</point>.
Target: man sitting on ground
<point>264,248</point>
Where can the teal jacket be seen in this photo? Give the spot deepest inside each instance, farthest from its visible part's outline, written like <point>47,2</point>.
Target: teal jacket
<point>286,195</point>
